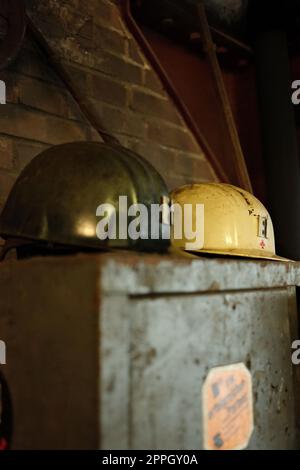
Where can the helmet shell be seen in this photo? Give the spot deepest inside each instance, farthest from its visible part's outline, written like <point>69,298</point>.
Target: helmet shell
<point>235,222</point>
<point>55,198</point>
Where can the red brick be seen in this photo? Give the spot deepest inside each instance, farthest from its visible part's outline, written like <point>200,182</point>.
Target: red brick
<point>6,153</point>
<point>110,14</point>
<point>179,164</point>
<point>108,40</point>
<point>120,69</point>
<point>50,24</point>
<point>154,105</point>
<point>123,139</point>
<point>33,63</point>
<point>161,158</point>
<point>152,82</point>
<point>173,165</point>
<point>26,151</point>
<point>20,122</point>
<point>85,36</point>
<point>111,75</point>
<point>56,18</point>
<point>171,136</point>
<point>175,181</point>
<point>107,90</point>
<point>60,131</point>
<point>135,53</point>
<point>43,96</point>
<point>77,76</point>
<point>74,111</point>
<point>16,121</point>
<point>197,169</point>
<point>87,29</point>
<point>79,81</point>
<point>118,120</point>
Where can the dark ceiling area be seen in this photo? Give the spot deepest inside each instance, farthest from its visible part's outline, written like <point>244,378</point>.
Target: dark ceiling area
<point>235,21</point>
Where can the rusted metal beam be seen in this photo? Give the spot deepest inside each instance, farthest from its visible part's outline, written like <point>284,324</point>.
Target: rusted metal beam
<point>237,153</point>
<point>171,89</point>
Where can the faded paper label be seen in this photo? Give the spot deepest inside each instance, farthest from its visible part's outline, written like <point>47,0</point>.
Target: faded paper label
<point>227,408</point>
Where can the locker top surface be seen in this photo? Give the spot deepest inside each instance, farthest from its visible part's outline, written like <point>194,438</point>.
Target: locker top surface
<point>143,274</point>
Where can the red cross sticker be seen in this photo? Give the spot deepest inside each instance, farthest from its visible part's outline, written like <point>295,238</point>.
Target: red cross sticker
<point>262,244</point>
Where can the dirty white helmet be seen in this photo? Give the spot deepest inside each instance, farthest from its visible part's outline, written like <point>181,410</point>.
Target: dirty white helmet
<point>235,222</point>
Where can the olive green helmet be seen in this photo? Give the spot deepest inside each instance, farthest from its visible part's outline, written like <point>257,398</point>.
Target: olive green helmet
<point>54,201</point>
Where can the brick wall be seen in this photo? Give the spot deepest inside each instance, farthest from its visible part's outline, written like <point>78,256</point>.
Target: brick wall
<point>108,67</point>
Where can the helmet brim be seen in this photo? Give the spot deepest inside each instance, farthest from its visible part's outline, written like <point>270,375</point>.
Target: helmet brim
<point>252,254</point>
<point>174,251</point>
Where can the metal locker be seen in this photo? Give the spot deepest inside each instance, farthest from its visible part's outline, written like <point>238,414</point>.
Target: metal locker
<point>112,351</point>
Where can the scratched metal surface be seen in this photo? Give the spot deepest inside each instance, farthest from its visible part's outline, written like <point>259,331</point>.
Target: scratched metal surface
<point>118,347</point>
<point>153,274</point>
<point>174,343</point>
